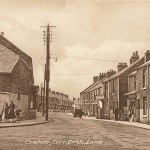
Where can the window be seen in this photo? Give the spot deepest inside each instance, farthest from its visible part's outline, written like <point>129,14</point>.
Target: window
<point>113,86</point>
<point>97,92</point>
<point>144,77</point>
<point>90,95</point>
<point>106,90</point>
<point>144,106</point>
<point>100,89</point>
<point>113,107</point>
<point>134,78</point>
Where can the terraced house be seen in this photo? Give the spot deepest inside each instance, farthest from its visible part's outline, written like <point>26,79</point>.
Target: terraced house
<point>139,93</point>
<point>94,98</point>
<point>118,84</point>
<point>58,102</point>
<point>119,88</point>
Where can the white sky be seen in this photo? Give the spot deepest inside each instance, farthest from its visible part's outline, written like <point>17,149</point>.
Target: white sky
<point>107,30</point>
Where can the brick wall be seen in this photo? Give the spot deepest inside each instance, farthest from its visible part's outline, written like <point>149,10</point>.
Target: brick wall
<point>131,83</point>
<point>22,103</point>
<point>123,82</point>
<point>113,96</point>
<point>4,97</point>
<point>5,82</point>
<point>142,92</point>
<point>21,78</point>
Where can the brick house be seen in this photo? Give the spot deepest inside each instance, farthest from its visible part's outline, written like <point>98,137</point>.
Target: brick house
<point>94,98</point>
<point>88,96</point>
<point>118,84</point>
<point>138,91</point>
<point>16,77</point>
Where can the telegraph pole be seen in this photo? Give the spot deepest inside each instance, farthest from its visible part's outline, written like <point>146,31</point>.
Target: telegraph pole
<point>44,92</point>
<point>47,70</point>
<point>47,66</point>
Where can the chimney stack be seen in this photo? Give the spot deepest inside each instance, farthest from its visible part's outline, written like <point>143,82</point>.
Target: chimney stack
<point>95,79</point>
<point>53,92</point>
<point>134,57</point>
<point>147,56</point>
<point>57,93</point>
<point>2,34</point>
<point>102,75</point>
<point>121,66</point>
<point>110,73</point>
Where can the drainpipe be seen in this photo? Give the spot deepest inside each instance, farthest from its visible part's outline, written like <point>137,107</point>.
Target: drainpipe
<point>108,101</point>
<point>148,90</point>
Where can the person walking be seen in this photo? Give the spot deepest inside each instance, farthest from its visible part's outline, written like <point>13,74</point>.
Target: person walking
<point>11,112</point>
<point>116,113</point>
<point>5,112</point>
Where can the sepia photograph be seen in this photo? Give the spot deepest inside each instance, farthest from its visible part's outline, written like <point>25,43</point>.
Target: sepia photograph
<point>74,74</point>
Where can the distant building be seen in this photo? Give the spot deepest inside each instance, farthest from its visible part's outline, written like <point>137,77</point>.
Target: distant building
<point>77,103</point>
<point>58,102</point>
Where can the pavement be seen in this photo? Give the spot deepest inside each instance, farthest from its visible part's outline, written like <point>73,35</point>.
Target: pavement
<point>135,124</point>
<point>38,120</point>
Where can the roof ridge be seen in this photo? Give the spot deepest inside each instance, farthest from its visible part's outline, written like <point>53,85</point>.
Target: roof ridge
<point>9,50</point>
<point>122,71</point>
<point>94,84</point>
<point>14,45</point>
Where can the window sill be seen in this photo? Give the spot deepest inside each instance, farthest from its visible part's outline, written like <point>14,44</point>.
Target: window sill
<point>113,93</point>
<point>144,88</point>
<point>144,116</point>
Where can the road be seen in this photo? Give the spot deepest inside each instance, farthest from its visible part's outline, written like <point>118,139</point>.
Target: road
<point>68,133</point>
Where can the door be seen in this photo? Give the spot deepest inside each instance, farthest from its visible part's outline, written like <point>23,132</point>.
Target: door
<point>138,110</point>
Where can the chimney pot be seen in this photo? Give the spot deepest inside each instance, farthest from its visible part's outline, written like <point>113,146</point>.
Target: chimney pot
<point>2,34</point>
<point>121,66</point>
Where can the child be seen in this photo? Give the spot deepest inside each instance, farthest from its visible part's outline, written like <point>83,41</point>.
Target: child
<point>17,113</point>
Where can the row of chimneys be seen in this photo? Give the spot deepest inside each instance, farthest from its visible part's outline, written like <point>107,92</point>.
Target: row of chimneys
<point>121,66</point>
<point>57,93</point>
<point>103,75</point>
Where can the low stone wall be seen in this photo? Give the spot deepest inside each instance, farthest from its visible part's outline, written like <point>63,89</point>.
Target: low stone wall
<point>22,103</point>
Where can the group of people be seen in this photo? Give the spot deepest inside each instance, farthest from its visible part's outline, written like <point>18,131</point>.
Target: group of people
<point>120,115</point>
<point>10,113</point>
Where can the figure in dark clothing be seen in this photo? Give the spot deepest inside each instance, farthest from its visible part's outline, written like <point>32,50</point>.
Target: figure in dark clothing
<point>5,112</point>
<point>11,112</point>
<point>17,113</point>
<point>116,113</point>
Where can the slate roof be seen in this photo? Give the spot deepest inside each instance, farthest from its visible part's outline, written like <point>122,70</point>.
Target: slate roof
<point>133,73</point>
<point>146,63</point>
<point>93,85</point>
<point>124,70</point>
<point>8,60</point>
<point>8,44</point>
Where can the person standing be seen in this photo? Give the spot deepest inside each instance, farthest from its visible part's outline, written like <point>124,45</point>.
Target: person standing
<point>116,113</point>
<point>17,113</point>
<point>5,112</point>
<point>11,112</point>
